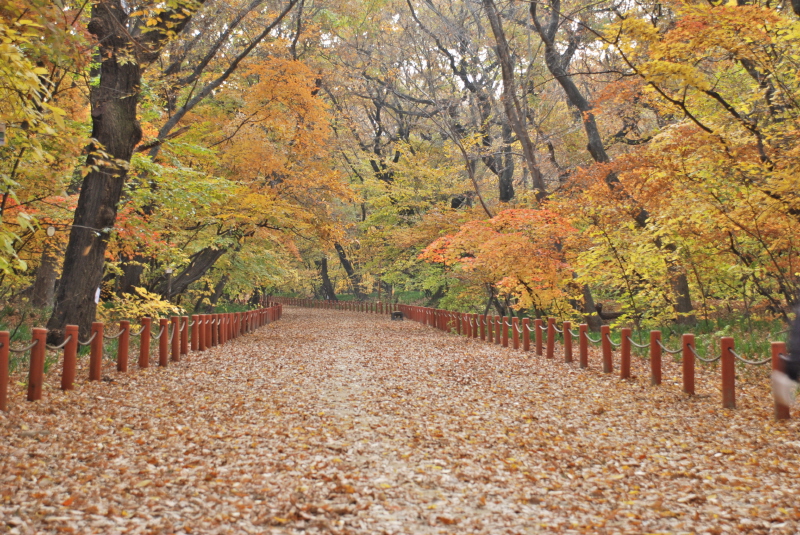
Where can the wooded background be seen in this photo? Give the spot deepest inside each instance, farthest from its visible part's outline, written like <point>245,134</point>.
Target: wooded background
<point>541,156</point>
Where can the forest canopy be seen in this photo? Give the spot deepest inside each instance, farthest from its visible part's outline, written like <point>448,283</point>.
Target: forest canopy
<point>536,157</point>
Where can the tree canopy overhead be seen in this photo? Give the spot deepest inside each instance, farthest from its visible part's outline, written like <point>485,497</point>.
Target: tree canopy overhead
<point>539,157</point>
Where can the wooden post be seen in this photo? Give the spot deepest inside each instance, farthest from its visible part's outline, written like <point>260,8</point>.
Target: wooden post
<point>625,353</point>
<point>490,330</point>
<point>566,326</point>
<point>36,369</point>
<point>184,335</point>
<point>526,334</point>
<point>163,342</point>
<point>123,346</point>
<point>215,330</point>
<point>96,352</point>
<point>498,324</point>
<point>70,358</point>
<point>144,343</point>
<point>583,345</point>
<point>515,332</point>
<point>778,348</point>
<point>537,332</point>
<point>202,341</point>
<point>551,337</point>
<point>728,373</point>
<point>655,358</point>
<point>482,321</point>
<point>195,332</point>
<point>176,339</point>
<point>605,344</point>
<point>505,331</point>
<point>687,344</point>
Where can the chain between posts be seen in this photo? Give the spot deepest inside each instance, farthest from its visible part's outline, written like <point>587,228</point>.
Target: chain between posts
<point>61,345</point>
<point>89,341</point>
<point>667,350</point>
<point>23,349</point>
<point>751,362</point>
<point>698,357</point>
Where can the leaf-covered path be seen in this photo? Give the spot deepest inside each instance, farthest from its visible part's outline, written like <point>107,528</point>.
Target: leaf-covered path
<point>334,422</point>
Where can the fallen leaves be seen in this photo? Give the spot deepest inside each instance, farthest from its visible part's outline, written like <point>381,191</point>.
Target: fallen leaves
<point>332,422</point>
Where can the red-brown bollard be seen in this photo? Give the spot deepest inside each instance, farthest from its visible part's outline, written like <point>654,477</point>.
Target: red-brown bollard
<point>482,325</point>
<point>468,324</point>
<point>214,330</point>
<point>144,343</point>
<point>566,326</point>
<point>96,352</point>
<point>779,348</point>
<point>605,344</point>
<point>123,346</point>
<point>526,334</point>
<point>195,332</point>
<point>551,337</point>
<point>201,332</point>
<point>498,325</point>
<point>5,342</point>
<point>163,342</point>
<point>583,345</point>
<point>458,319</point>
<point>476,318</point>
<point>515,333</point>
<point>184,335</point>
<point>505,331</point>
<point>537,335</point>
<point>490,329</point>
<point>36,370</point>
<point>655,358</point>
<point>728,373</point>
<point>70,357</point>
<point>207,324</point>
<point>625,353</point>
<point>176,339</point>
<point>687,344</point>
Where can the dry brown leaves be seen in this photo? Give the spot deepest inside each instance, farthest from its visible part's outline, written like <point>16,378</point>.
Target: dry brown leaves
<point>335,422</point>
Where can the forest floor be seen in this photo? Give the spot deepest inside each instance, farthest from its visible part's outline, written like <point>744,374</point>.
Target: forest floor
<point>337,422</point>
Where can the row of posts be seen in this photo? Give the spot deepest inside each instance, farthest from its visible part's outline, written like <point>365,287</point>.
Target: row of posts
<point>374,307</point>
<point>518,334</point>
<point>176,336</point>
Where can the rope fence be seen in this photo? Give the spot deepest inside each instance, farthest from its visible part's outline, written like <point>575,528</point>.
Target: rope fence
<point>207,331</point>
<point>536,335</point>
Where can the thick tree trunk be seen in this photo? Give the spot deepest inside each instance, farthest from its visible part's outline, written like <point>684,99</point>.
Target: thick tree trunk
<point>200,263</point>
<point>327,287</point>
<point>132,271</point>
<point>124,50</point>
<point>114,126</point>
<point>45,283</point>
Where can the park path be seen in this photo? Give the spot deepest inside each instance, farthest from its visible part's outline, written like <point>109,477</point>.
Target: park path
<point>338,422</point>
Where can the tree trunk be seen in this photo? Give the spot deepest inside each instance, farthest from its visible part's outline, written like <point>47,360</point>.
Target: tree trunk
<point>114,126</point>
<point>200,263</point>
<point>45,284</point>
<point>327,287</point>
<point>132,270</point>
<point>355,279</point>
<point>124,50</point>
